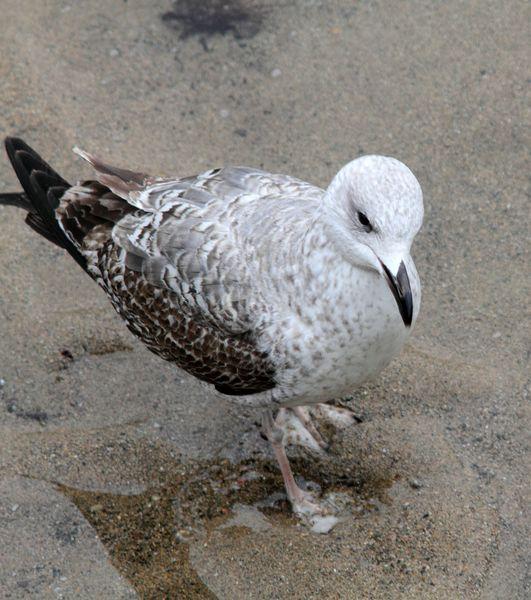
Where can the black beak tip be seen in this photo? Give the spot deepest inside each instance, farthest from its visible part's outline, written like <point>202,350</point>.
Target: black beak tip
<point>406,309</point>
<point>402,292</point>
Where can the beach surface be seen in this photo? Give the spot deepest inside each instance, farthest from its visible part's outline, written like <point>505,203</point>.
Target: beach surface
<point>121,476</point>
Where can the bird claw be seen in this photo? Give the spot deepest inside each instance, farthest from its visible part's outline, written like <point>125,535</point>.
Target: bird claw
<point>296,433</point>
<point>318,517</point>
<point>299,430</point>
<point>334,415</point>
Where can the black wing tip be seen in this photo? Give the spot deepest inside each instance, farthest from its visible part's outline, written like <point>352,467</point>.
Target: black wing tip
<point>17,199</point>
<point>11,140</point>
<point>14,144</point>
<point>43,188</point>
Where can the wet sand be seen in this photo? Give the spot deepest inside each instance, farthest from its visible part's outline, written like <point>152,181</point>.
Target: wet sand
<point>121,476</point>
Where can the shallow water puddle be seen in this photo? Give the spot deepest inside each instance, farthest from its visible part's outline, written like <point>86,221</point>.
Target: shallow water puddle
<point>148,535</point>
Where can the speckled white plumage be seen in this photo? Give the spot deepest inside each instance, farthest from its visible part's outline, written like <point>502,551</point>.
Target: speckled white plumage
<point>245,250</point>
<point>340,323</point>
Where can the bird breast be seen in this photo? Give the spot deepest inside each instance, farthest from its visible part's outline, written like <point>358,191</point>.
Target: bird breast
<point>340,330</point>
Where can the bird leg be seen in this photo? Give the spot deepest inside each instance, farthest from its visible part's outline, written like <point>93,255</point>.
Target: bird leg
<point>304,416</point>
<point>299,430</point>
<point>335,415</point>
<point>301,501</point>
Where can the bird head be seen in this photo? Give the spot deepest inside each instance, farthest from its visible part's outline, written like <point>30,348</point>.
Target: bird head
<point>372,210</point>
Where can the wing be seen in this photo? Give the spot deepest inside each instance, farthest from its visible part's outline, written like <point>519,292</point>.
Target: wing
<point>170,256</point>
<point>189,252</point>
<point>182,237</point>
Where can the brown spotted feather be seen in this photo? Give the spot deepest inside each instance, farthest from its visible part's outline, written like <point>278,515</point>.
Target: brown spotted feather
<point>230,362</point>
<point>121,242</point>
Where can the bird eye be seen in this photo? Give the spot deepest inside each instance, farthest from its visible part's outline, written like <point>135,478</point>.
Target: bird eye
<point>364,221</point>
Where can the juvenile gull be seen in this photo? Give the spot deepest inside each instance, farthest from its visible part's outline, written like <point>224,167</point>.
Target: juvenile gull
<point>267,287</point>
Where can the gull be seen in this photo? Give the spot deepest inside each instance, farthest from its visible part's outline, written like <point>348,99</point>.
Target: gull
<point>275,291</point>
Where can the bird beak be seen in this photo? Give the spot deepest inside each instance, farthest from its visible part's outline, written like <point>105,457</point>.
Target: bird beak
<point>401,289</point>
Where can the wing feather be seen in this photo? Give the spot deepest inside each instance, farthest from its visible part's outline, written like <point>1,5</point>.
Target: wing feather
<point>183,238</point>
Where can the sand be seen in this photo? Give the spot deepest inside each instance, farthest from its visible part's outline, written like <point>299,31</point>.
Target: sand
<point>157,486</point>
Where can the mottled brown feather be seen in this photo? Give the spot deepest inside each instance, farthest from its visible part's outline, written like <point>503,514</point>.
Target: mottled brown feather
<point>229,361</point>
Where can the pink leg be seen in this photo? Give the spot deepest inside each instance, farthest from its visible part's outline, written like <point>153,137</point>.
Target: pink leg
<point>301,501</point>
